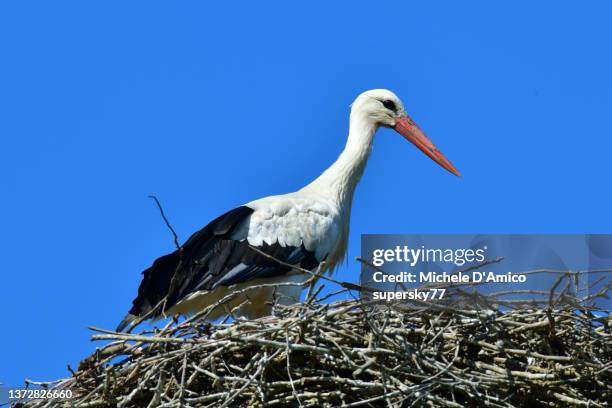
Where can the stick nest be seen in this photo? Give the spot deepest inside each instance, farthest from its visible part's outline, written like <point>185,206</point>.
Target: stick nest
<point>354,353</point>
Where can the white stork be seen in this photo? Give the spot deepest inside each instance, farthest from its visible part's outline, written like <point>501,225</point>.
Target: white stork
<point>305,228</point>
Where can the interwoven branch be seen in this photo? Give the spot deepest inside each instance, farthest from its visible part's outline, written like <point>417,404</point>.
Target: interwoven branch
<point>356,353</point>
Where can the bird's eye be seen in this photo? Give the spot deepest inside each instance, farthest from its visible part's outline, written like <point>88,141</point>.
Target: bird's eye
<point>389,104</point>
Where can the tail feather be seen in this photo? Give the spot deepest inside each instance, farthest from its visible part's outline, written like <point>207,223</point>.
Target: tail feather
<point>152,289</point>
<point>127,320</point>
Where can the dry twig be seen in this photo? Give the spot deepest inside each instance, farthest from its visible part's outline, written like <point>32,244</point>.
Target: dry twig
<point>355,353</point>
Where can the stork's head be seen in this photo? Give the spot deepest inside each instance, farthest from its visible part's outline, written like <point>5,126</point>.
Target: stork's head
<point>382,107</point>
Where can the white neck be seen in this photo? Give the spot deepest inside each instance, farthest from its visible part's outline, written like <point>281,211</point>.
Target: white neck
<point>338,182</point>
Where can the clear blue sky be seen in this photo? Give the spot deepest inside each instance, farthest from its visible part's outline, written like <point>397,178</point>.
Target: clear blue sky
<point>210,106</point>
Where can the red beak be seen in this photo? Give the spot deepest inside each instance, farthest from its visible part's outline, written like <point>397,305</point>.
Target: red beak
<point>407,128</point>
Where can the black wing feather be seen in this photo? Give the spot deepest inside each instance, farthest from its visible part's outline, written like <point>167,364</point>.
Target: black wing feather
<point>208,259</point>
